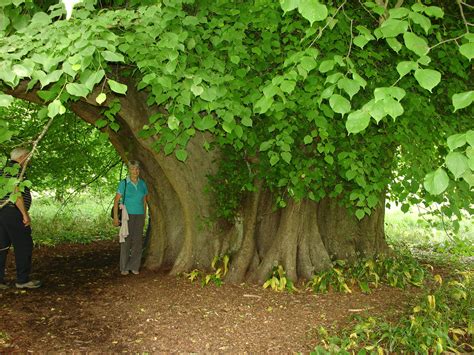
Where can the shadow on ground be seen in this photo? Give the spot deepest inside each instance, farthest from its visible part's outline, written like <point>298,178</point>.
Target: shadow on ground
<point>86,305</point>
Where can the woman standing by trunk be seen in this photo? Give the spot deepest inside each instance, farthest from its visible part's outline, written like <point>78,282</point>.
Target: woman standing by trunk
<point>132,194</point>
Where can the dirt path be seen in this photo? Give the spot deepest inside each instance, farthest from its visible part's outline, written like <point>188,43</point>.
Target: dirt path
<point>85,305</point>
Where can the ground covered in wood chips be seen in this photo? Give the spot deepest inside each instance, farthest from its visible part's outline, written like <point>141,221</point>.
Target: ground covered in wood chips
<point>86,305</point>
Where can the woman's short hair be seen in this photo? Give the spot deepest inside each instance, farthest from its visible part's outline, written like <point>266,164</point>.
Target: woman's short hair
<point>17,153</point>
<point>133,164</point>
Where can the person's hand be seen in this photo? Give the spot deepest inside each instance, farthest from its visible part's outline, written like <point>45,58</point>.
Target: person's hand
<point>116,222</point>
<point>26,220</point>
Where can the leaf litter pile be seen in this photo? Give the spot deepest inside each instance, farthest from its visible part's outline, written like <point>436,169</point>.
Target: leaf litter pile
<point>86,305</point>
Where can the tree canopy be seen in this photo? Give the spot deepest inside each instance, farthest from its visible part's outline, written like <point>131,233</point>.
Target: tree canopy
<point>351,100</point>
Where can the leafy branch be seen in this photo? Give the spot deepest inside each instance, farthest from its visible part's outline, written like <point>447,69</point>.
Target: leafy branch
<point>30,155</point>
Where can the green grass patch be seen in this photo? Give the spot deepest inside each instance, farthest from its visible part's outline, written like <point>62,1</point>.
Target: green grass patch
<point>366,274</point>
<point>431,238</point>
<point>81,221</point>
<point>441,320</point>
<point>4,339</point>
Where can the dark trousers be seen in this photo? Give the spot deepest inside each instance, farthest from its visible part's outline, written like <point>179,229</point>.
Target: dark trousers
<point>131,249</point>
<point>13,231</point>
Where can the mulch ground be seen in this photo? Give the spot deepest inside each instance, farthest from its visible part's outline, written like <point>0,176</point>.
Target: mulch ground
<point>86,305</point>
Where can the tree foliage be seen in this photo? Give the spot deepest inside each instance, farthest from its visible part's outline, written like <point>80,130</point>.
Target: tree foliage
<point>72,156</point>
<point>350,100</point>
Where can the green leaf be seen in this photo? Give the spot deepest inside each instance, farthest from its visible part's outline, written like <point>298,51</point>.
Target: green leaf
<point>456,141</point>
<point>360,213</point>
<point>393,28</point>
<point>100,99</point>
<point>101,123</point>
<point>392,91</point>
<point>326,65</point>
<point>312,10</point>
<point>112,56</point>
<point>425,60</point>
<point>471,162</point>
<point>51,78</point>
<point>394,44</point>
<point>360,41</point>
<point>308,139</point>
<point>117,87</point>
<point>434,11</point>
<point>372,201</point>
<point>427,78</point>
<point>79,90</point>
<point>264,146</point>
<point>357,121</point>
<point>247,122</point>
<point>462,100</point>
<point>329,159</point>
<point>351,87</point>
<point>339,104</point>
<point>467,50</point>
<point>468,176</point>
<point>235,59</point>
<point>308,63</point>
<point>286,156</point>
<point>288,86</point>
<point>173,122</point>
<point>94,79</point>
<point>399,12</point>
<point>403,68</point>
<point>421,20</point>
<point>416,43</point>
<point>263,105</point>
<point>209,94</point>
<point>436,182</point>
<point>376,109</point>
<point>5,100</point>
<point>181,155</point>
<point>359,79</point>
<point>40,19</point>
<point>392,107</point>
<point>274,159</point>
<point>206,123</point>
<point>457,163</point>
<point>289,5</point>
<point>197,89</point>
<point>22,71</point>
<point>470,137</point>
<point>55,108</point>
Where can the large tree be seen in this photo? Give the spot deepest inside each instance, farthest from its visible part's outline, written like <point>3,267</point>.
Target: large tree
<point>269,131</point>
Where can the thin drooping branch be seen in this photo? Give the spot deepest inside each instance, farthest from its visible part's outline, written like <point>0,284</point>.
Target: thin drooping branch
<point>327,24</point>
<point>447,40</point>
<point>399,4</point>
<point>384,5</point>
<point>103,173</point>
<point>28,158</point>
<point>466,23</point>
<point>352,39</point>
<point>467,5</point>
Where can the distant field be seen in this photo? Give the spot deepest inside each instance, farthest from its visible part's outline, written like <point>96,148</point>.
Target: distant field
<point>82,220</point>
<point>86,218</point>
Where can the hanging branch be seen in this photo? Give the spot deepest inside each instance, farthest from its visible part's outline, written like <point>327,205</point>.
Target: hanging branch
<point>103,173</point>
<point>466,23</point>
<point>28,158</point>
<point>321,30</point>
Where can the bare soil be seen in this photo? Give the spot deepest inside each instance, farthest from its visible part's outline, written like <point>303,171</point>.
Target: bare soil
<point>86,305</point>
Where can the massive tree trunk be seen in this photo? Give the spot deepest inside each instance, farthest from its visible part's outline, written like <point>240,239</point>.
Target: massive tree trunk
<point>303,237</point>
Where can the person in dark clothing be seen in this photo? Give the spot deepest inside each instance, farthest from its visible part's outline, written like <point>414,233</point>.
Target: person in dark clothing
<point>15,229</point>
